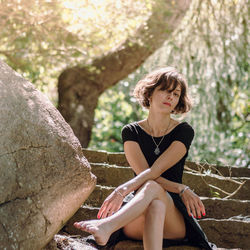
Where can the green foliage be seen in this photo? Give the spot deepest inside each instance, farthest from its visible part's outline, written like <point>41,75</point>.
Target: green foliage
<point>39,39</point>
<point>116,108</point>
<point>215,194</point>
<point>210,48</point>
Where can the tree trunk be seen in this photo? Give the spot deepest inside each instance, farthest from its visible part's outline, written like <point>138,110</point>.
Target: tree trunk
<point>80,87</point>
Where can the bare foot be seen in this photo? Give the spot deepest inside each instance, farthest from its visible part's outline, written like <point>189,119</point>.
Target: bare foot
<point>97,228</point>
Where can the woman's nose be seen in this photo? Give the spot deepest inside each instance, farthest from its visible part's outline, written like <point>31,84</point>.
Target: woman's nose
<point>170,95</point>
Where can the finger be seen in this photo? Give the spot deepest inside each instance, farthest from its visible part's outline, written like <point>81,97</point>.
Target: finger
<point>102,209</point>
<point>109,211</point>
<point>193,210</point>
<point>104,214</point>
<point>106,211</point>
<point>188,208</point>
<point>114,207</point>
<point>202,208</point>
<point>198,210</point>
<point>197,207</point>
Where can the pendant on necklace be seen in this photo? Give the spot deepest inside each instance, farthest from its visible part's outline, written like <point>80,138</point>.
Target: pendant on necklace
<point>157,151</point>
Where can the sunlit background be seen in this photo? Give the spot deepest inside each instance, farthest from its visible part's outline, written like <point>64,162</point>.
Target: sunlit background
<point>42,38</point>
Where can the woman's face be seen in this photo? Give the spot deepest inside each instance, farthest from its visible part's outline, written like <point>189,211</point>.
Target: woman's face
<point>164,100</point>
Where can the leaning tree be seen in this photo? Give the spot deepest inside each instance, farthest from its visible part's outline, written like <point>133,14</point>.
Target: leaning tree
<point>92,44</point>
<point>80,87</point>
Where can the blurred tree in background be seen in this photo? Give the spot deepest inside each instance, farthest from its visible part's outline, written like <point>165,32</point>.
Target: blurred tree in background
<point>146,25</point>
<point>211,48</point>
<point>40,39</point>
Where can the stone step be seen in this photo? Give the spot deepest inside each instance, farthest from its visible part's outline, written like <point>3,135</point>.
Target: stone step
<point>119,159</point>
<point>200,184</point>
<point>113,176</point>
<point>225,208</point>
<point>226,171</point>
<point>66,242</point>
<point>101,156</point>
<point>232,232</point>
<point>137,245</point>
<point>215,208</point>
<point>99,194</point>
<point>228,233</point>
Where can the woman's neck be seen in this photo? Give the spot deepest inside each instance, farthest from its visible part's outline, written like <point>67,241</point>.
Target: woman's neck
<point>158,125</point>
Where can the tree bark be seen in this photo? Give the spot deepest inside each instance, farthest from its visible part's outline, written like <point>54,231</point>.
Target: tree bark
<point>80,87</point>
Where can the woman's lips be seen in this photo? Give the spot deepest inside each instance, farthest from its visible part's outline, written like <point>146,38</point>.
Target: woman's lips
<point>167,103</point>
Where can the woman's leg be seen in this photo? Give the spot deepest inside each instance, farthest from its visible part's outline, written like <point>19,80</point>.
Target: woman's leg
<point>154,225</point>
<point>102,229</point>
<point>148,226</point>
<point>160,217</point>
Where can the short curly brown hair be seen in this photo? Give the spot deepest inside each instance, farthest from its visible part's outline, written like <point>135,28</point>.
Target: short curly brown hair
<point>168,78</point>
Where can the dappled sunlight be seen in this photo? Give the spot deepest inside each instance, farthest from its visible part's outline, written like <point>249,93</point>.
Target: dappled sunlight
<point>40,39</point>
<point>209,48</point>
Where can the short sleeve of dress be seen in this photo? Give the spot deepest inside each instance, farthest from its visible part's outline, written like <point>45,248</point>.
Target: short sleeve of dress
<point>184,134</point>
<point>129,133</point>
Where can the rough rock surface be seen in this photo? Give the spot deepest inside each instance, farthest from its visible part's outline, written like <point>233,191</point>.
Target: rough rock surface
<point>44,175</point>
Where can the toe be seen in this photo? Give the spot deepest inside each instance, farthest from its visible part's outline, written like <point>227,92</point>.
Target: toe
<point>80,225</point>
<point>76,224</point>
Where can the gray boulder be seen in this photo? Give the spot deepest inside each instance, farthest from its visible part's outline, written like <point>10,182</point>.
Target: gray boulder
<point>44,177</point>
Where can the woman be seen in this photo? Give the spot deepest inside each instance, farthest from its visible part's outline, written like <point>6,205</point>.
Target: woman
<point>162,211</point>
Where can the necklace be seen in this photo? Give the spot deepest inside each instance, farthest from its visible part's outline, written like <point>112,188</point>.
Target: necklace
<point>157,150</point>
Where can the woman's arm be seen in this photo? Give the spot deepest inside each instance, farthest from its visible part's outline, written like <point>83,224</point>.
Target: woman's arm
<point>170,157</point>
<point>138,163</point>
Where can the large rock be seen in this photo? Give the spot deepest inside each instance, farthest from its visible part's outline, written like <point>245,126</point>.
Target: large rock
<point>44,176</point>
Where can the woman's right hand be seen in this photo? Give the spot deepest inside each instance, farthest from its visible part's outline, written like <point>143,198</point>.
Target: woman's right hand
<point>111,205</point>
<point>193,203</point>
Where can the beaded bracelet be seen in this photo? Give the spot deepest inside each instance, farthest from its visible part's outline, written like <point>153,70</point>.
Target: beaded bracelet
<point>118,192</point>
<point>183,190</point>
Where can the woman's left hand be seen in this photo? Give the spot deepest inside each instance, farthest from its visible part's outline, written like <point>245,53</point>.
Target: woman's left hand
<point>193,203</point>
<point>111,205</point>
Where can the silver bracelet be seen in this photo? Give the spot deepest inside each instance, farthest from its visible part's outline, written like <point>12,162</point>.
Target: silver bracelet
<point>118,192</point>
<point>183,190</point>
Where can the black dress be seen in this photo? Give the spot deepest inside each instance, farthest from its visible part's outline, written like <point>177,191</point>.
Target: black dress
<point>184,133</point>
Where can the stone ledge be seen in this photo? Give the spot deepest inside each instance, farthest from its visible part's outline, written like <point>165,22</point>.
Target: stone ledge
<point>66,242</point>
<point>231,232</point>
<point>224,232</point>
<point>111,175</point>
<point>101,156</point>
<point>195,182</point>
<point>137,245</point>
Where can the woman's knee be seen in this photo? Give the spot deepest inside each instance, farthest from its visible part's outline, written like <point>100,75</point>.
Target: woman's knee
<point>153,187</point>
<point>156,207</point>
<point>155,191</point>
